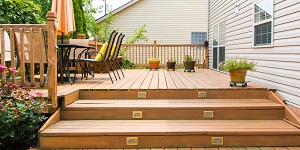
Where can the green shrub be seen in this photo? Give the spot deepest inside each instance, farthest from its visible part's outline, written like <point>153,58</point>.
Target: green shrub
<point>237,63</point>
<point>153,59</point>
<point>20,111</point>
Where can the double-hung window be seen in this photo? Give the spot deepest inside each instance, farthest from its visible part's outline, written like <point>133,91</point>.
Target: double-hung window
<point>263,23</point>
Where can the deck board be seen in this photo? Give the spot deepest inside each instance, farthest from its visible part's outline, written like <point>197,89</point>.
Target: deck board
<point>169,127</point>
<point>136,79</point>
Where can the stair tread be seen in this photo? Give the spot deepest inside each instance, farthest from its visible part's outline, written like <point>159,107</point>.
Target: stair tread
<point>164,103</point>
<point>168,127</point>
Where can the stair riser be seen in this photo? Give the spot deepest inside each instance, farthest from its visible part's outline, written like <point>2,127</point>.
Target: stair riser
<point>176,94</point>
<point>109,142</point>
<point>167,113</point>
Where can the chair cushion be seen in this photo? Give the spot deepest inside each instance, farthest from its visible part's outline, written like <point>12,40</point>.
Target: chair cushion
<point>112,52</point>
<point>102,52</point>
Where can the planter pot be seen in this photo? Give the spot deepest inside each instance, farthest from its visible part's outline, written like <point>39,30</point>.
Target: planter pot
<point>154,65</point>
<point>238,76</point>
<point>189,66</point>
<point>171,65</point>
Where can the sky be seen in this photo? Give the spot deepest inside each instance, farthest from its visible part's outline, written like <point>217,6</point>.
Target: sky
<point>113,3</point>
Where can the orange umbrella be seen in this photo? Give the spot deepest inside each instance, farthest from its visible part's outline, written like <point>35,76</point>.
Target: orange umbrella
<point>65,16</point>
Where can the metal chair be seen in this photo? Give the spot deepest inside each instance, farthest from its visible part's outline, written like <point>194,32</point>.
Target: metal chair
<point>105,58</point>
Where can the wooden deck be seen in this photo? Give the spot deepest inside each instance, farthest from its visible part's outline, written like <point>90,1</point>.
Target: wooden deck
<point>169,109</point>
<point>144,79</point>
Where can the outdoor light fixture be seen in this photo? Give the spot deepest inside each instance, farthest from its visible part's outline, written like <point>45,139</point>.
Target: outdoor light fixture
<point>237,9</point>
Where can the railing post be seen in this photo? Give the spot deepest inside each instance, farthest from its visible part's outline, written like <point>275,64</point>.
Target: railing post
<point>2,43</point>
<point>52,58</point>
<point>154,49</point>
<point>206,56</point>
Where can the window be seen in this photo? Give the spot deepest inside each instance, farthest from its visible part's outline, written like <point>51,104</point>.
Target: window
<point>218,43</point>
<point>263,23</point>
<point>198,37</point>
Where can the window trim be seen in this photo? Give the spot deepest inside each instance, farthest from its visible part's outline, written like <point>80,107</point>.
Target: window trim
<point>218,46</point>
<point>260,23</point>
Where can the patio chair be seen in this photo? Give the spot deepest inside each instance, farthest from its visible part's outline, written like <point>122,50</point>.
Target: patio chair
<point>114,56</point>
<point>74,53</point>
<point>102,56</point>
<point>39,54</point>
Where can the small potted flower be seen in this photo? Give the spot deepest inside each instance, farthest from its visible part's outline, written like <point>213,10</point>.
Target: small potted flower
<point>237,68</point>
<point>154,63</point>
<point>189,64</point>
<point>171,63</point>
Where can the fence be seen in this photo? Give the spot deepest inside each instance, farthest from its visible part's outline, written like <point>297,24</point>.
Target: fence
<point>140,53</point>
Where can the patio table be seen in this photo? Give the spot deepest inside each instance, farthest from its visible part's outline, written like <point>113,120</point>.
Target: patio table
<point>64,53</point>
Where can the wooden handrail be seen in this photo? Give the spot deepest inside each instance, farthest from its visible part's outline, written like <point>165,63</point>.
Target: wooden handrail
<point>21,36</point>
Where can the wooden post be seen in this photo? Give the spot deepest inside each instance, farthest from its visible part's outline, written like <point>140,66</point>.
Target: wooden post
<point>206,57</point>
<point>2,48</point>
<point>31,56</point>
<point>12,51</point>
<point>154,49</point>
<point>22,56</point>
<point>52,59</point>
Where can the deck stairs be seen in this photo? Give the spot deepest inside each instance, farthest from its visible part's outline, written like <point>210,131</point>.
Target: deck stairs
<point>170,119</point>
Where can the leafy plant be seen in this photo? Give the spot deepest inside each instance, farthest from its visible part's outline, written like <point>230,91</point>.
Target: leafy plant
<point>188,58</point>
<point>172,59</point>
<point>19,12</point>
<point>237,63</point>
<point>153,59</point>
<point>20,111</point>
<point>126,64</point>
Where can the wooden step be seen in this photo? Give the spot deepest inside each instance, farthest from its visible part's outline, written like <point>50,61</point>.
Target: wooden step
<point>174,109</point>
<point>168,133</point>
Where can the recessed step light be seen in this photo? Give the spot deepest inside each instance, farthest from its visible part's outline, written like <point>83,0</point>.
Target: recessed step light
<point>201,94</point>
<point>208,114</point>
<point>142,94</point>
<point>132,141</point>
<point>217,140</point>
<point>137,114</point>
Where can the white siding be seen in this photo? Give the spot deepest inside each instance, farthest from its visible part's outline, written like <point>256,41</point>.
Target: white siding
<point>279,64</point>
<point>167,21</point>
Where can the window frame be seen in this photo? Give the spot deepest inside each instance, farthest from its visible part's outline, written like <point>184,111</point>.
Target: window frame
<point>200,35</point>
<point>218,46</point>
<point>271,20</point>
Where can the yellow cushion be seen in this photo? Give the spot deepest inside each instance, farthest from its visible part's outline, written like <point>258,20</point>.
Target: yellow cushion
<point>112,52</point>
<point>102,52</point>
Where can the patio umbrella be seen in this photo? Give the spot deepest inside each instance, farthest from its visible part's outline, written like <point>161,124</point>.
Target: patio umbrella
<point>65,16</point>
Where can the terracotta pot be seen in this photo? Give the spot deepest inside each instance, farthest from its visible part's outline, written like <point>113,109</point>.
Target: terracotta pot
<point>189,66</point>
<point>154,65</point>
<point>238,75</point>
<point>171,65</point>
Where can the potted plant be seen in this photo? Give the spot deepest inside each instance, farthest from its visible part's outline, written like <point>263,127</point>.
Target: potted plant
<point>189,64</point>
<point>237,68</point>
<point>171,63</point>
<point>154,63</point>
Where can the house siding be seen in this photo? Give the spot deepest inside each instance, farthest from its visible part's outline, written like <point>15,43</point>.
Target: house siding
<point>278,64</point>
<point>168,22</point>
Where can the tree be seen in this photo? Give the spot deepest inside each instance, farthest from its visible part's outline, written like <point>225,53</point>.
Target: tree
<point>45,6</point>
<point>19,12</point>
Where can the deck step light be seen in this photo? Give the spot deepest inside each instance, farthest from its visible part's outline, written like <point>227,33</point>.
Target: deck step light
<point>132,141</point>
<point>217,140</point>
<point>142,94</point>
<point>201,94</point>
<point>137,114</point>
<point>208,114</point>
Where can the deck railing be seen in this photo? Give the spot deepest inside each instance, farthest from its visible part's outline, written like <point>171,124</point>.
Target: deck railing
<point>32,50</point>
<point>140,53</point>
